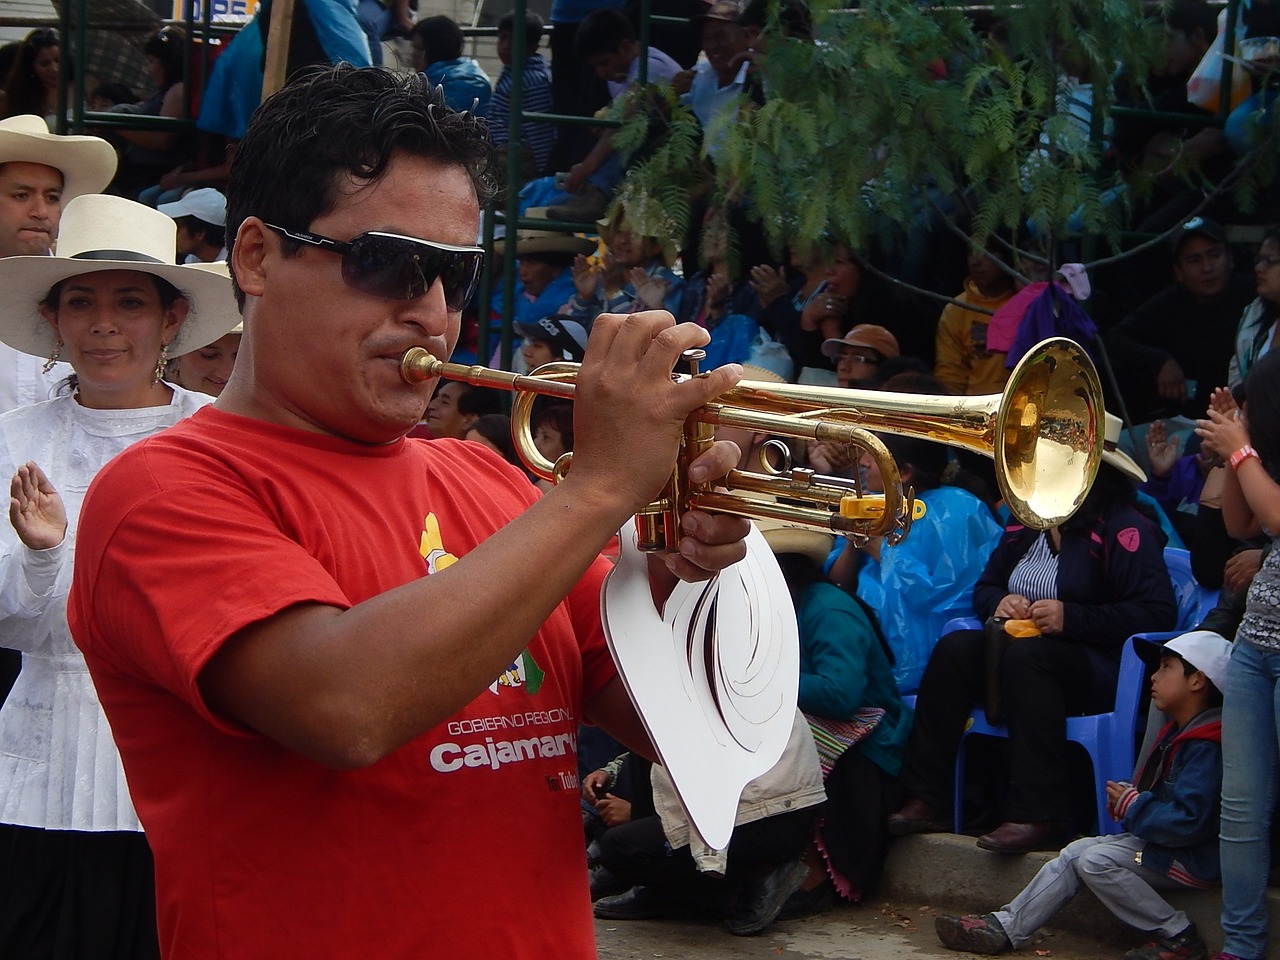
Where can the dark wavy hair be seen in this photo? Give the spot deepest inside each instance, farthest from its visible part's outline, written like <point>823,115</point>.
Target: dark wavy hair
<point>1262,394</point>
<point>341,121</point>
<point>167,46</point>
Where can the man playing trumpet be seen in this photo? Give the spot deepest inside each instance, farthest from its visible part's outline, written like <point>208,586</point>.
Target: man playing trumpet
<point>335,660</point>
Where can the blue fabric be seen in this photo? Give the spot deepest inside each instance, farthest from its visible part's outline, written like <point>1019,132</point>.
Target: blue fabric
<point>538,136</point>
<point>464,83</point>
<point>234,88</point>
<point>1250,712</point>
<point>1178,813</point>
<point>531,310</point>
<point>338,31</point>
<point>375,21</point>
<point>843,667</point>
<point>928,578</point>
<point>731,341</point>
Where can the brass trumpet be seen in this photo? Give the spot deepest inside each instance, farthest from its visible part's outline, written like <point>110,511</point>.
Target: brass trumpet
<point>1045,433</point>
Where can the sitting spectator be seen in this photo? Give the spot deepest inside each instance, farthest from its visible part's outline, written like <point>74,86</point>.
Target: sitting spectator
<point>456,406</point>
<point>1255,335</point>
<point>1176,347</point>
<point>31,83</point>
<point>552,338</point>
<point>1175,482</point>
<point>672,871</point>
<point>202,225</point>
<point>437,53</point>
<point>552,429</point>
<point>714,88</point>
<point>544,274</point>
<point>536,137</point>
<point>859,354</point>
<point>644,264</point>
<point>1170,813</point>
<point>149,154</point>
<point>917,585</point>
<point>848,694</point>
<point>962,363</point>
<point>207,369</point>
<point>1087,585</point>
<point>494,431</point>
<point>717,299</point>
<point>606,42</point>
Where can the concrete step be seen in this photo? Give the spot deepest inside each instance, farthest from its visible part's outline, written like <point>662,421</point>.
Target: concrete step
<point>951,872</point>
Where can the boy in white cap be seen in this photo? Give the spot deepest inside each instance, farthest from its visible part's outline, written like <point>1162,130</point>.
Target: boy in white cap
<point>1170,814</point>
<point>202,225</point>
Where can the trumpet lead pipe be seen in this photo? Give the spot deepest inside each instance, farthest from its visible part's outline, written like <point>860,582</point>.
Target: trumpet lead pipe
<point>418,365</point>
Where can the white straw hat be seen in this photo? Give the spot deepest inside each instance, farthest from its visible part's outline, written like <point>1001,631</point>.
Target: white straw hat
<point>1112,454</point>
<point>87,163</point>
<point>102,233</point>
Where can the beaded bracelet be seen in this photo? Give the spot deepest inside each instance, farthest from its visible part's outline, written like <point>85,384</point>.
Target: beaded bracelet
<point>1240,456</point>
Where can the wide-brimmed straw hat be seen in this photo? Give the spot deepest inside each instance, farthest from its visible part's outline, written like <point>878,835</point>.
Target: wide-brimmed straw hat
<point>781,538</point>
<point>534,242</point>
<point>1112,454</point>
<point>87,163</point>
<point>100,233</point>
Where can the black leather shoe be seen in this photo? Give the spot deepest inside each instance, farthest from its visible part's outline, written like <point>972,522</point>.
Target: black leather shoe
<point>806,903</point>
<point>1013,837</point>
<point>638,903</point>
<point>606,883</point>
<point>766,896</point>
<point>916,816</point>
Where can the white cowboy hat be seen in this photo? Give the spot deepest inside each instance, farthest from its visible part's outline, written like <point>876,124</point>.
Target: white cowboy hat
<point>87,163</point>
<point>1112,454</point>
<point>100,233</point>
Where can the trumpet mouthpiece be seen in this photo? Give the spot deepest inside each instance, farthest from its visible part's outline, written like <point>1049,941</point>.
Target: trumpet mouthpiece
<point>418,365</point>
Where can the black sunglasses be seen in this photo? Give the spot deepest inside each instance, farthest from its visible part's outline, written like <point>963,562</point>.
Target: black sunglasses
<point>392,267</point>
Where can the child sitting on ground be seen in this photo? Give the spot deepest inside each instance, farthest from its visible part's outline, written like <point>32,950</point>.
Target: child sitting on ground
<point>1170,814</point>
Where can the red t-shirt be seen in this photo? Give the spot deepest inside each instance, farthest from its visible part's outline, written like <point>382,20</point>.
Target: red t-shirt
<point>466,842</point>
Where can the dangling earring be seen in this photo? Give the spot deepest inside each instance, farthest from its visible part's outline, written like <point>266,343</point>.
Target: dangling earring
<point>161,363</point>
<point>53,357</point>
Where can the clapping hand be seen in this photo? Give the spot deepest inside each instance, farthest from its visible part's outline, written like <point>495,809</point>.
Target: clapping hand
<point>586,277</point>
<point>650,290</point>
<point>1161,451</point>
<point>35,509</point>
<point>768,283</point>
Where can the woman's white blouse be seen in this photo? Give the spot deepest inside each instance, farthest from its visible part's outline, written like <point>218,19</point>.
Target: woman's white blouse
<point>59,768</point>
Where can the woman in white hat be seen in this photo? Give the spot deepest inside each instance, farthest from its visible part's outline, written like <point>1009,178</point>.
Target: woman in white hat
<point>114,306</point>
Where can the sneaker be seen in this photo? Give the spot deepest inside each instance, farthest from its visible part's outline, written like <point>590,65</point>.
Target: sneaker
<point>586,206</point>
<point>974,934</point>
<point>1185,946</point>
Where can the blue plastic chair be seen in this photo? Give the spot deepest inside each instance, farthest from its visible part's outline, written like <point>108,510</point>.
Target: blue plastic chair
<point>1108,738</point>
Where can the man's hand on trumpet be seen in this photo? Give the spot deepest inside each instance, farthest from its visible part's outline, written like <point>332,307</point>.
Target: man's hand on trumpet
<point>629,416</point>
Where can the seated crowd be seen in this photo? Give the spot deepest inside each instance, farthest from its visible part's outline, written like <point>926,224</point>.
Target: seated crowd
<point>886,688</point>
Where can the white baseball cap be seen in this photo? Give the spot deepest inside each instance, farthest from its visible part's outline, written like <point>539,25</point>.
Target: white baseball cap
<point>1205,650</point>
<point>205,204</point>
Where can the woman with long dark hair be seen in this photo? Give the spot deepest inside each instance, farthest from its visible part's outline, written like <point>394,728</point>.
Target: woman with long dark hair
<point>32,82</point>
<point>1257,331</point>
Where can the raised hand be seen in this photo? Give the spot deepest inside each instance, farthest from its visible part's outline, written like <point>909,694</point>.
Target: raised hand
<point>35,508</point>
<point>650,291</point>
<point>1161,451</point>
<point>586,278</point>
<point>768,283</point>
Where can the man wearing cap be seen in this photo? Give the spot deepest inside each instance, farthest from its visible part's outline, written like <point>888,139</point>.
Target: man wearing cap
<point>1175,348</point>
<point>715,84</point>
<point>39,172</point>
<point>550,339</point>
<point>859,353</point>
<point>202,225</point>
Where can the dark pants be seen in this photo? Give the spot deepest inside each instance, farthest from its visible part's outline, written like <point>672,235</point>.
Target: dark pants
<point>1044,680</point>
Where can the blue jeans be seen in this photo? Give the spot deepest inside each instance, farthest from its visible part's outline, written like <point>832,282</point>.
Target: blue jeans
<point>1250,733</point>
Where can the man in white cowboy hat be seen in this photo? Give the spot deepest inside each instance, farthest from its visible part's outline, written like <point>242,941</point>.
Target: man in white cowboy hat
<point>332,751</point>
<point>39,172</point>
